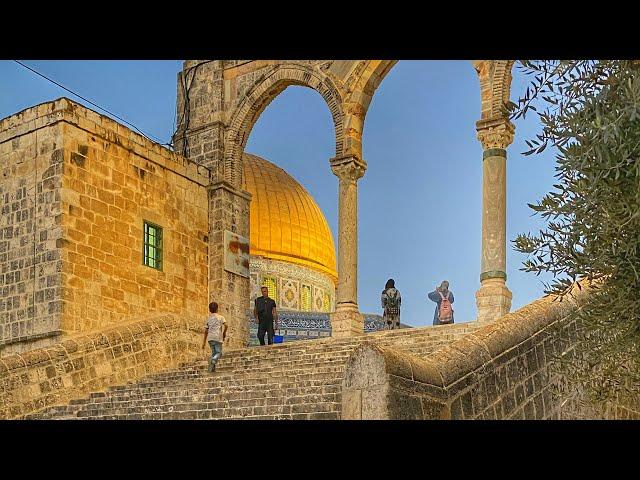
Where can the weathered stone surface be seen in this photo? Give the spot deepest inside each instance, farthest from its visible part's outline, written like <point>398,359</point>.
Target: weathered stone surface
<point>75,189</point>
<point>30,212</point>
<point>296,380</point>
<point>55,375</point>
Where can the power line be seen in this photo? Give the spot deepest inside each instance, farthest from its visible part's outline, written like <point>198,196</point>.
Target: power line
<point>154,139</point>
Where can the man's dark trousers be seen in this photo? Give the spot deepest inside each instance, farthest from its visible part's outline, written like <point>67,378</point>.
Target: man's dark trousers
<point>265,326</point>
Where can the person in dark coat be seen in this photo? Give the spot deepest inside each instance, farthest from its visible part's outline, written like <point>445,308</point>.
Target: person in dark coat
<point>435,296</point>
<point>265,313</point>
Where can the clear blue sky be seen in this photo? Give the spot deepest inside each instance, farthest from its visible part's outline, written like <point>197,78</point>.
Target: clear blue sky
<point>420,199</point>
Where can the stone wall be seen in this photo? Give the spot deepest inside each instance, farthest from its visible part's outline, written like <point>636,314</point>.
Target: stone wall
<point>76,188</point>
<point>228,210</point>
<point>505,370</point>
<point>87,363</point>
<point>31,158</point>
<point>113,181</point>
<point>381,383</point>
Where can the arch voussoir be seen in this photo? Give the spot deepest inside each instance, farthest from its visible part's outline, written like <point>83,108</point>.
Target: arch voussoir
<point>257,99</point>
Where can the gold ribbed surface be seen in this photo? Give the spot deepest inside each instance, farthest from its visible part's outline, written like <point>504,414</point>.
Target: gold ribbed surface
<point>286,222</point>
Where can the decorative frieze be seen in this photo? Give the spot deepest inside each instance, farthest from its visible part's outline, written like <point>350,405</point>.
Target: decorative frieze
<point>290,279</point>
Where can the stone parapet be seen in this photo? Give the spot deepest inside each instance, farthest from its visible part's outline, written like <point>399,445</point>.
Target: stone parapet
<point>499,371</point>
<point>91,362</point>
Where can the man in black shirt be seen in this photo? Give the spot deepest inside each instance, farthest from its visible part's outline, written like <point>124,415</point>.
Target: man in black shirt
<point>265,313</point>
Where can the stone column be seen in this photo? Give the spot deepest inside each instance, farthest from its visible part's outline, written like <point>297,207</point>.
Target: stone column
<point>347,320</point>
<point>494,298</point>
<point>228,210</point>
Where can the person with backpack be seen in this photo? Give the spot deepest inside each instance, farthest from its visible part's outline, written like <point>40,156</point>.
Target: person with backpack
<point>391,301</point>
<point>443,298</point>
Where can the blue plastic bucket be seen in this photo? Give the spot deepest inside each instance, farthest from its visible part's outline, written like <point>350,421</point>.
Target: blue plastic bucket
<point>278,338</point>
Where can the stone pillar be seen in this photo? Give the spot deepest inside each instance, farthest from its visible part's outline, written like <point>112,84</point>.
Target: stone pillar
<point>228,210</point>
<point>494,298</point>
<point>347,320</point>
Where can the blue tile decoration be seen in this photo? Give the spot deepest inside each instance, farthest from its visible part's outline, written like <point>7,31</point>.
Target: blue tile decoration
<point>308,325</point>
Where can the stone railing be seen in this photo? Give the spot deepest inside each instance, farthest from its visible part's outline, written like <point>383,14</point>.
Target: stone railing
<point>91,362</point>
<point>500,371</point>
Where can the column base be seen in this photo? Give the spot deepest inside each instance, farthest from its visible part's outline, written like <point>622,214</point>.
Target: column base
<point>346,321</point>
<point>493,300</point>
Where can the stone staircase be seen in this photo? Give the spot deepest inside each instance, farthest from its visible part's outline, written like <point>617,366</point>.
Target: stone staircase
<point>298,380</point>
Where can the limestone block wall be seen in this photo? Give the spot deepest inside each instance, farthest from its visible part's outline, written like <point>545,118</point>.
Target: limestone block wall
<point>512,377</point>
<point>31,160</point>
<point>510,370</point>
<point>381,383</point>
<point>75,189</point>
<point>500,371</point>
<point>91,362</point>
<point>228,210</point>
<point>113,181</point>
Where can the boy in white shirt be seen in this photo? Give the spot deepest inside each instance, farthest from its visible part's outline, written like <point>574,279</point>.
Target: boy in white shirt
<point>215,331</point>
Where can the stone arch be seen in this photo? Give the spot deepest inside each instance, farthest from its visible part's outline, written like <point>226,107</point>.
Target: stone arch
<point>260,96</point>
<point>368,75</point>
<point>373,74</point>
<point>500,86</point>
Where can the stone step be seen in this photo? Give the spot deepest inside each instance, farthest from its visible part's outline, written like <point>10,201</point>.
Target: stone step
<point>217,415</point>
<point>213,394</point>
<point>309,409</point>
<point>446,332</point>
<point>290,387</point>
<point>184,403</point>
<point>222,366</point>
<point>252,378</point>
<point>204,384</point>
<point>217,403</point>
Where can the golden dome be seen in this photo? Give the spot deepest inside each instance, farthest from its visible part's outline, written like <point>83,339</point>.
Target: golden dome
<point>286,223</point>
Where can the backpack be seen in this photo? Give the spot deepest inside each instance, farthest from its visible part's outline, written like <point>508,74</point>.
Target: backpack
<point>392,307</point>
<point>445,314</point>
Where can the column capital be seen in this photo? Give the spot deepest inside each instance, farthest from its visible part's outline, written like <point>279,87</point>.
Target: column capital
<point>495,133</point>
<point>348,167</point>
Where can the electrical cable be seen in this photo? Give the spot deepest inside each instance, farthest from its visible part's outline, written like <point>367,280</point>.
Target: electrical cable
<point>153,139</point>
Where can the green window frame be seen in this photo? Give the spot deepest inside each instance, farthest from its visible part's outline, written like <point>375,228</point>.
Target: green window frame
<point>152,246</point>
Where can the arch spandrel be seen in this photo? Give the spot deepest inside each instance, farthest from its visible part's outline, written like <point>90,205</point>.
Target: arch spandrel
<point>246,87</point>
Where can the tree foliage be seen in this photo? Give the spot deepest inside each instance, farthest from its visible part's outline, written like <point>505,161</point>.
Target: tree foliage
<point>590,112</point>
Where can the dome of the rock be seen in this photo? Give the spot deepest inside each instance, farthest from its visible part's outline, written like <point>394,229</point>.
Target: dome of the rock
<point>286,223</point>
